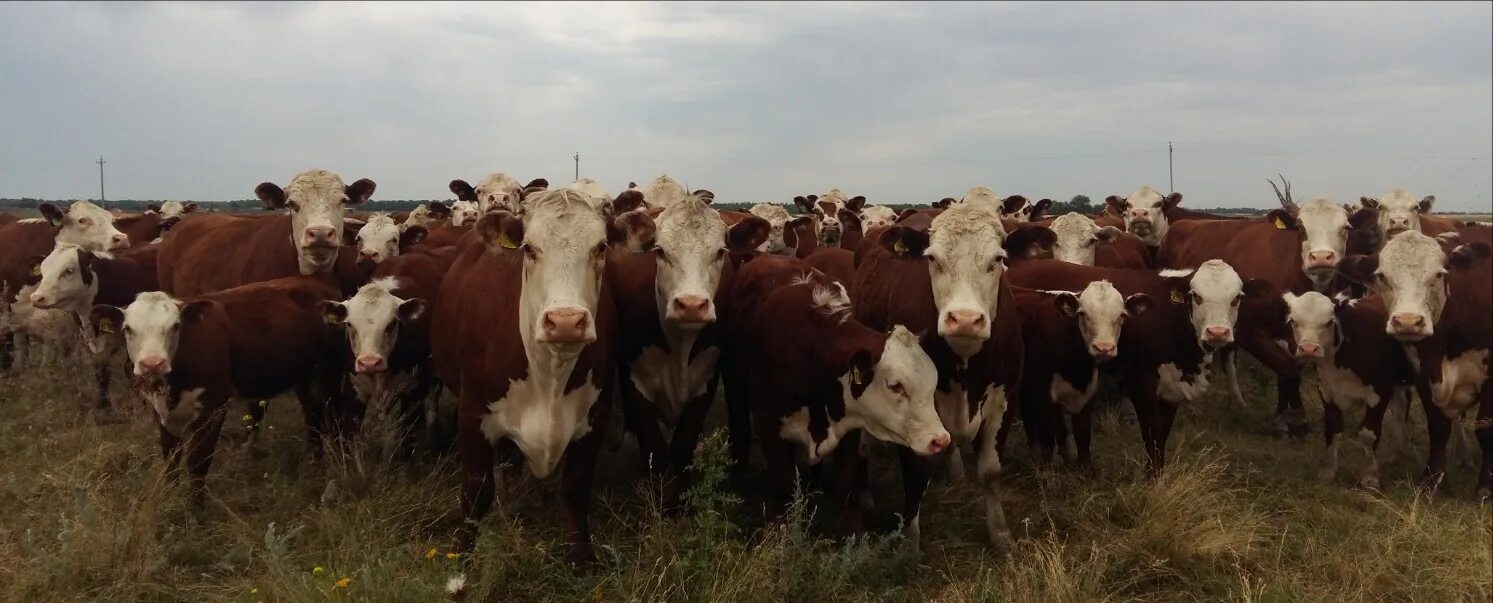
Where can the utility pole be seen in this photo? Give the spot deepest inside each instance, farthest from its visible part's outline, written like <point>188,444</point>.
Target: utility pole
<point>1170,181</point>
<point>100,163</point>
<point>577,166</point>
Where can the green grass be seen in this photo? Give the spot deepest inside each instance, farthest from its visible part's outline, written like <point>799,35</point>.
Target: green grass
<point>1238,516</point>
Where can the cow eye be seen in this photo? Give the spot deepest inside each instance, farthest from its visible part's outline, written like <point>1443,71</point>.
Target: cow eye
<point>1090,242</point>
<point>68,272</point>
<point>84,221</point>
<point>293,205</point>
<point>1379,276</point>
<point>896,388</point>
<point>530,252</point>
<point>659,253</point>
<point>1237,299</point>
<point>720,253</point>
<point>1156,204</point>
<point>1197,299</point>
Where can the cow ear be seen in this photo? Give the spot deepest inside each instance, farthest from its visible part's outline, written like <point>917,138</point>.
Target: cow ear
<point>33,269</point>
<point>1359,268</point>
<point>628,201</point>
<point>538,183</point>
<point>911,211</point>
<point>411,309</point>
<point>704,195</point>
<point>800,227</point>
<point>856,203</point>
<point>943,203</point>
<point>53,215</point>
<point>850,220</point>
<point>332,312</point>
<point>194,311</point>
<point>360,192</point>
<point>804,205</point>
<point>190,207</point>
<point>1281,219</point>
<point>1115,205</point>
<point>1040,208</point>
<point>1368,202</point>
<point>748,234</point>
<point>87,266</point>
<point>270,194</point>
<point>1171,201</point>
<point>106,318</point>
<point>1258,287</point>
<point>904,242</point>
<point>502,230</point>
<point>168,223</point>
<point>152,208</point>
<point>634,230</point>
<point>1029,241</point>
<point>1178,287</point>
<point>1011,204</point>
<point>1137,304</point>
<point>411,236</point>
<point>1467,257</point>
<point>462,190</point>
<point>862,371</point>
<point>1425,204</point>
<point>438,210</point>
<point>1108,234</point>
<point>1067,303</point>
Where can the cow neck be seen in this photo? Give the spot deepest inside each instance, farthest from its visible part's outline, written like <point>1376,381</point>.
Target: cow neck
<point>1079,364</point>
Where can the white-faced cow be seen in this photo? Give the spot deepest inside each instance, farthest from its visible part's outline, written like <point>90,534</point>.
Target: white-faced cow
<point>777,218</point>
<point>877,216</point>
<point>381,238</point>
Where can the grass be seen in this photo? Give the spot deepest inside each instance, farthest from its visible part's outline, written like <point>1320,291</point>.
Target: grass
<point>1239,515</point>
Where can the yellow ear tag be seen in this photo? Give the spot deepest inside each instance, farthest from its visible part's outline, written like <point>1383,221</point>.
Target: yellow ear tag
<point>333,319</point>
<point>105,326</point>
<point>899,247</point>
<point>1280,224</point>
<point>506,242</point>
<point>36,270</point>
<point>855,376</point>
<point>1177,297</point>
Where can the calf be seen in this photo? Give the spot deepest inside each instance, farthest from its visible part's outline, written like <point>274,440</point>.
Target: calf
<point>668,334</point>
<point>1359,366</point>
<point>381,239</point>
<point>523,332</point>
<point>1438,309</point>
<point>253,342</point>
<point>946,281</point>
<point>1066,336</point>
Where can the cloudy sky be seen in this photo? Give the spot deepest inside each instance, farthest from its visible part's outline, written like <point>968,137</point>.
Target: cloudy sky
<point>899,102</point>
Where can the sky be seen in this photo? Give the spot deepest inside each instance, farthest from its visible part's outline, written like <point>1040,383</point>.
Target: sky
<point>902,103</point>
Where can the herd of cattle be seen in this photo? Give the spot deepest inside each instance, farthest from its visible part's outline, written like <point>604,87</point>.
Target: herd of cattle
<point>537,307</point>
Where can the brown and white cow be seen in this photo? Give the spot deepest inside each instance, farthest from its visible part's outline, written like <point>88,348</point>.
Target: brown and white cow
<point>1359,366</point>
<point>253,342</point>
<point>1076,239</point>
<point>1399,212</point>
<point>834,216</point>
<point>1149,215</point>
<point>1018,209</point>
<point>663,191</point>
<point>214,252</point>
<point>667,300</point>
<point>593,189</point>
<point>523,331</point>
<point>1066,336</point>
<point>947,282</point>
<point>427,215</point>
<point>777,218</point>
<point>877,216</point>
<point>381,239</point>
<point>1438,308</point>
<point>498,191</point>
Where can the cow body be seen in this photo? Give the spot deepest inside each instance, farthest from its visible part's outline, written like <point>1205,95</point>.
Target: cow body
<point>192,260</point>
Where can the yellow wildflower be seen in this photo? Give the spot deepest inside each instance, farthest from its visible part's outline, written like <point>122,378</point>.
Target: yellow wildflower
<point>263,403</point>
<point>318,570</point>
<point>430,554</point>
<point>253,591</point>
<point>248,418</point>
<point>452,555</point>
<point>342,583</point>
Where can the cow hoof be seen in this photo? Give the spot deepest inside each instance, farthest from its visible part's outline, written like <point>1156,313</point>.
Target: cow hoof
<point>581,556</point>
<point>1369,483</point>
<point>1280,428</point>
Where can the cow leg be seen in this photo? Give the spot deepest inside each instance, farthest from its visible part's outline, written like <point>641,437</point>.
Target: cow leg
<point>202,440</point>
<point>1332,430</point>
<point>1290,417</point>
<point>7,350</point>
<point>782,472</point>
<point>314,412</point>
<point>1229,356</point>
<point>576,486</point>
<point>1438,426</point>
<point>1371,436</point>
<point>847,460</point>
<point>641,418</point>
<point>738,427</point>
<point>21,343</point>
<point>1458,446</point>
<point>101,375</point>
<point>989,464</point>
<point>915,472</point>
<point>955,463</point>
<point>1083,431</point>
<point>170,451</point>
<point>1142,392</point>
<point>1168,412</point>
<point>682,449</point>
<point>1034,416</point>
<point>1484,430</point>
<point>476,479</point>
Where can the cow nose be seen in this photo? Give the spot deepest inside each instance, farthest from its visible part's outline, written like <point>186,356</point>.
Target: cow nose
<point>319,234</point>
<point>1308,350</point>
<point>938,443</point>
<point>1322,258</point>
<point>1217,333</point>
<point>40,301</point>
<point>1104,350</point>
<point>368,254</point>
<point>965,322</point>
<point>566,325</point>
<point>370,364</point>
<point>1408,323</point>
<point>691,308</point>
<point>152,365</point>
<point>119,241</point>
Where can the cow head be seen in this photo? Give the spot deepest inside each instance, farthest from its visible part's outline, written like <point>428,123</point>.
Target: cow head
<point>428,215</point>
<point>152,329</point>
<point>1410,275</point>
<point>564,245</point>
<point>1077,236</point>
<point>499,191</point>
<point>890,391</point>
<point>1213,293</point>
<point>317,200</point>
<point>86,225</point>
<point>663,191</point>
<point>380,239</point>
<point>985,198</point>
<point>1101,311</point>
<point>965,263</point>
<point>1313,321</point>
<point>777,220</point>
<point>877,216</point>
<point>1144,212</point>
<point>68,279</point>
<point>593,189</point>
<point>372,319</point>
<point>691,247</point>
<point>1323,228</point>
<point>1398,211</point>
<point>1030,242</point>
<point>943,203</point>
<point>464,213</point>
<point>831,227</point>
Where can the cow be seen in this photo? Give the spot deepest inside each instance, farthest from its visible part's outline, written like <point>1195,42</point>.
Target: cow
<point>1359,366</point>
<point>1066,336</point>
<point>1149,215</point>
<point>836,220</point>
<point>427,215</point>
<point>497,191</point>
<point>73,280</point>
<point>593,189</point>
<point>193,261</point>
<point>1399,211</point>
<point>189,357</point>
<point>1164,352</point>
<point>668,335</point>
<point>523,332</point>
<point>381,239</point>
<point>1074,238</point>
<point>877,216</point>
<point>947,282</point>
<point>1017,209</point>
<point>663,192</point>
<point>1437,305</point>
<point>172,209</point>
<point>777,219</point>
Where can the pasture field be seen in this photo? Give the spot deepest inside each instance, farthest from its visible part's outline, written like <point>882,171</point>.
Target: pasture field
<point>89,516</point>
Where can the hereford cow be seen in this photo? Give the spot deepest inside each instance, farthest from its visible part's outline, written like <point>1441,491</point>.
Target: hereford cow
<point>1017,209</point>
<point>592,189</point>
<point>1066,337</point>
<point>427,215</point>
<point>523,332</point>
<point>1438,308</point>
<point>1149,215</point>
<point>877,216</point>
<point>834,217</point>
<point>777,219</point>
<point>947,282</point>
<point>172,209</point>
<point>381,239</point>
<point>252,342</point>
<point>497,191</point>
<point>1359,366</point>
<point>668,336</point>
<point>1400,212</point>
<point>193,259</point>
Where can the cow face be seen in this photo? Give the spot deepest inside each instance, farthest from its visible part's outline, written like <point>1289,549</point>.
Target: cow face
<point>317,201</point>
<point>986,198</point>
<point>690,251</point>
<point>1077,236</point>
<point>564,245</point>
<point>893,397</point>
<point>1323,226</point>
<point>372,319</point>
<point>378,240</point>
<point>464,213</point>
<point>1398,211</point>
<point>593,189</point>
<point>428,215</point>
<point>663,191</point>
<point>831,228</point>
<point>1213,293</point>
<point>67,280</point>
<point>1101,312</point>
<point>877,216</point>
<point>965,263</point>
<point>1410,274</point>
<point>86,225</point>
<point>152,329</point>
<point>172,209</point>
<point>1313,321</point>
<point>777,220</point>
<point>499,192</point>
<point>1144,212</point>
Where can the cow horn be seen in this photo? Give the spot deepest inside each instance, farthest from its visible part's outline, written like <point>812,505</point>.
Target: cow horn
<point>1285,198</point>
